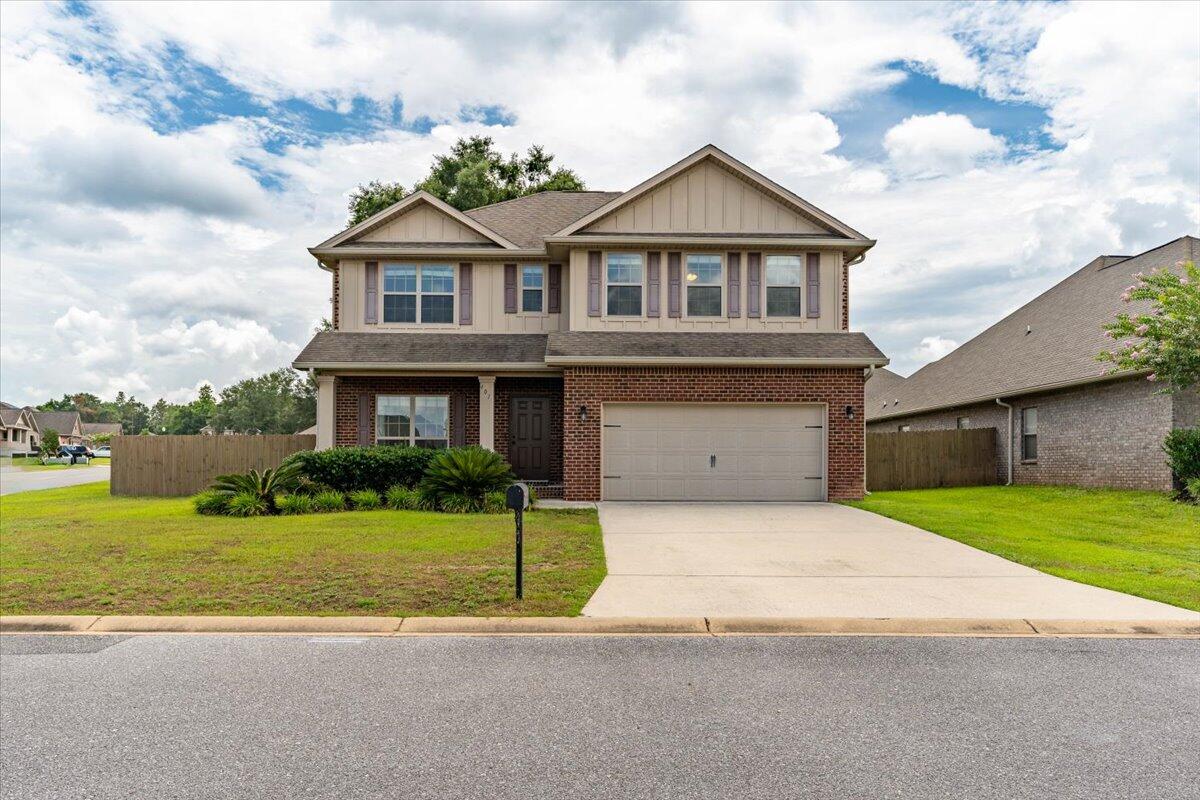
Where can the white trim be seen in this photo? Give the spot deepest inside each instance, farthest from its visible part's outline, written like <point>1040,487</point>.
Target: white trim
<point>544,289</point>
<point>421,368</point>
<point>723,361</point>
<point>395,209</point>
<point>604,254</point>
<point>722,284</point>
<point>412,418</point>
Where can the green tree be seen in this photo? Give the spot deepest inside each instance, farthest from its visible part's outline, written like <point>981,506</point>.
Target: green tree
<point>473,174</point>
<point>371,198</point>
<point>1166,339</point>
<point>282,401</point>
<point>48,447</point>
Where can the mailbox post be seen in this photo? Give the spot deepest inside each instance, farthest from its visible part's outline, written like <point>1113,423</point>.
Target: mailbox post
<point>517,498</point>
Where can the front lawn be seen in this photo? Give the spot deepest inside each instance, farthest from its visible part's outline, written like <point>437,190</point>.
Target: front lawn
<point>80,551</point>
<point>34,466</point>
<point>1140,543</point>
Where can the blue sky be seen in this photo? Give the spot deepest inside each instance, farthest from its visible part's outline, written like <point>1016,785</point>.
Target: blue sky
<point>164,166</point>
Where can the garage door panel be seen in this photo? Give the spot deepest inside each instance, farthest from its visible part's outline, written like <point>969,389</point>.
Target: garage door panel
<point>664,452</point>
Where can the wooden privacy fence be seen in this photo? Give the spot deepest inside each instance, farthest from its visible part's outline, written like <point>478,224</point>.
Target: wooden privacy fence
<point>929,459</point>
<point>171,466</point>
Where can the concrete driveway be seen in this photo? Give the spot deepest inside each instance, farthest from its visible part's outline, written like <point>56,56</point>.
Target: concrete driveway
<point>823,560</point>
<point>13,480</point>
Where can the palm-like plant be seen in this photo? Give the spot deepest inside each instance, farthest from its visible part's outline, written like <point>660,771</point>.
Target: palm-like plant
<point>264,485</point>
<point>467,471</point>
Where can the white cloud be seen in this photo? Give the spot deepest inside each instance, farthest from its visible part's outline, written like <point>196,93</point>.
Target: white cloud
<point>940,144</point>
<point>934,347</point>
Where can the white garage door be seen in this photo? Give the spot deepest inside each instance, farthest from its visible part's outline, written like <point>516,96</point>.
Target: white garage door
<point>670,451</point>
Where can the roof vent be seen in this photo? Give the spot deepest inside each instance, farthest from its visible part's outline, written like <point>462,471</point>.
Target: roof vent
<point>1028,329</point>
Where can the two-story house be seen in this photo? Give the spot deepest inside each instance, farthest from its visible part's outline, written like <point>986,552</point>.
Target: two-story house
<point>685,340</point>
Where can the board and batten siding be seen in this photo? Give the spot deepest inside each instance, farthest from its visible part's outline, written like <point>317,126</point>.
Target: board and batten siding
<point>706,198</point>
<point>831,275</point>
<point>487,305</point>
<point>423,223</point>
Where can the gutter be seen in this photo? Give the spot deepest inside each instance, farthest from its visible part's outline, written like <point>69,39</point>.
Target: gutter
<point>731,361</point>
<point>359,253</point>
<point>457,366</point>
<point>1009,449</point>
<point>673,241</point>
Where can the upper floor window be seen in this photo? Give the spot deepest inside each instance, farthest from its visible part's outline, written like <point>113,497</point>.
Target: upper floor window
<point>533,289</point>
<point>415,421</point>
<point>784,275</point>
<point>1029,430</point>
<point>624,274</point>
<point>963,423</point>
<point>422,293</point>
<point>704,285</point>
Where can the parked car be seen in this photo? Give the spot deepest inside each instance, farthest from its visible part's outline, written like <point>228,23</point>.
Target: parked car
<point>103,451</point>
<point>75,452</point>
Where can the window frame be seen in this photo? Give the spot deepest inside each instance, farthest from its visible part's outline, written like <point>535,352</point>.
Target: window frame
<point>904,428</point>
<point>541,290</point>
<point>641,285</point>
<point>721,285</point>
<point>1026,435</point>
<point>417,294</point>
<point>767,286</point>
<point>962,423</point>
<point>412,440</point>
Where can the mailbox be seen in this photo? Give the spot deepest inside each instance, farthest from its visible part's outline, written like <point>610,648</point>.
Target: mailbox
<point>517,497</point>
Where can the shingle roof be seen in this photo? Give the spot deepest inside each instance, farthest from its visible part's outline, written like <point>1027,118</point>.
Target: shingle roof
<point>882,387</point>
<point>1051,340</point>
<point>9,415</point>
<point>93,428</point>
<point>344,347</point>
<point>524,221</point>
<point>688,345</point>
<point>58,421</point>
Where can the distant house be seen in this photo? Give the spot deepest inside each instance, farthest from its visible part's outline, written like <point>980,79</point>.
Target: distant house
<point>94,429</point>
<point>66,424</point>
<point>309,431</point>
<point>19,434</point>
<point>208,430</point>
<point>1062,418</point>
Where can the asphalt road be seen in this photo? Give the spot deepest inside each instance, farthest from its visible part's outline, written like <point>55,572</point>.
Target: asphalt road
<point>14,480</point>
<point>598,717</point>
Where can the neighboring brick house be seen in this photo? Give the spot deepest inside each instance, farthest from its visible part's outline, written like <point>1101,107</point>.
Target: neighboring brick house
<point>1071,421</point>
<point>19,434</point>
<point>91,430</point>
<point>67,424</point>
<point>685,340</point>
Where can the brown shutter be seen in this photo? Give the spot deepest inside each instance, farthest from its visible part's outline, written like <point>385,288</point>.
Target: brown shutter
<point>753,284</point>
<point>593,283</point>
<point>733,304</point>
<point>371,294</point>
<point>814,285</point>
<point>510,288</point>
<point>554,289</point>
<point>464,294</point>
<point>364,420</point>
<point>458,420</point>
<point>673,285</point>
<point>653,284</point>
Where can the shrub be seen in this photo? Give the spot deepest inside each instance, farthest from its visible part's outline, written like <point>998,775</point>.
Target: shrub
<point>349,469</point>
<point>295,504</point>
<point>471,472</point>
<point>403,498</point>
<point>460,504</point>
<point>1192,485</point>
<point>328,500</point>
<point>428,500</point>
<point>495,502</point>
<point>365,500</point>
<point>1182,447</point>
<point>246,504</point>
<point>210,502</point>
<point>309,487</point>
<point>263,485</point>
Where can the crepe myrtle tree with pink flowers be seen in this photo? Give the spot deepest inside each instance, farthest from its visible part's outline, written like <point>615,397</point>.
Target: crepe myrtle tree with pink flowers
<point>1166,339</point>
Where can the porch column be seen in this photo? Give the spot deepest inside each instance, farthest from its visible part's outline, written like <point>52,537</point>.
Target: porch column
<point>487,411</point>
<point>325,416</point>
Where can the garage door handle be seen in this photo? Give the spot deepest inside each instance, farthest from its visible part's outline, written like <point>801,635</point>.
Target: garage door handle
<point>606,477</point>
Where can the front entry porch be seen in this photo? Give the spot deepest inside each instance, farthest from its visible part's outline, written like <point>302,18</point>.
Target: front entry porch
<point>520,417</point>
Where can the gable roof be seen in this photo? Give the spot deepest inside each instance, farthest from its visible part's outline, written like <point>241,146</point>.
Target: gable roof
<point>528,220</point>
<point>398,208</point>
<point>881,387</point>
<point>93,428</point>
<point>752,176</point>
<point>1049,342</point>
<point>64,422</point>
<point>14,416</point>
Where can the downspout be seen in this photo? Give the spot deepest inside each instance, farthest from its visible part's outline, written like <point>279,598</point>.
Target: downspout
<point>1009,449</point>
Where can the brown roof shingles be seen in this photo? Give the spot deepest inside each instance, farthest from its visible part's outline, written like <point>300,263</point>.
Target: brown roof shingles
<point>526,221</point>
<point>724,346</point>
<point>344,347</point>
<point>1051,340</point>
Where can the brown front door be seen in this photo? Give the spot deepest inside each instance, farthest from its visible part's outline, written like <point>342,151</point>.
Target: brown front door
<point>529,437</point>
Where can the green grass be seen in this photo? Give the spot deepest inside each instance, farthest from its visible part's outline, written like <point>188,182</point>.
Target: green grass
<point>1141,543</point>
<point>80,551</point>
<point>34,466</point>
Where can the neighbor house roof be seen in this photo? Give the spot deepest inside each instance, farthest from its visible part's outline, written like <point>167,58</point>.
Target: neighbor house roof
<point>882,387</point>
<point>525,221</point>
<point>93,428</point>
<point>64,422</point>
<point>714,348</point>
<point>1050,342</point>
<point>10,415</point>
<point>343,349</point>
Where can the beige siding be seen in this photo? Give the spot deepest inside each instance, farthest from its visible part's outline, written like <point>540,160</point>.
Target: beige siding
<point>705,199</point>
<point>487,312</point>
<point>423,223</point>
<point>831,295</point>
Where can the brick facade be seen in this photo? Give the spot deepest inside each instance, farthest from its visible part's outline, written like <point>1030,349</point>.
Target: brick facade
<point>346,391</point>
<point>1101,435</point>
<point>506,389</point>
<point>593,386</point>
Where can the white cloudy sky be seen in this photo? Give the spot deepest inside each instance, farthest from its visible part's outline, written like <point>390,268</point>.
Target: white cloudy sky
<point>163,166</point>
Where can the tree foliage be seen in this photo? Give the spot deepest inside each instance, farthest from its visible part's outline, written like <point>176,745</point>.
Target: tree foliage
<point>473,174</point>
<point>48,446</point>
<point>1165,339</point>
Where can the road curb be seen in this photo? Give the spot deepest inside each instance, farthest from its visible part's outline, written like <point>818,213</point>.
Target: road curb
<point>716,626</point>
